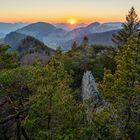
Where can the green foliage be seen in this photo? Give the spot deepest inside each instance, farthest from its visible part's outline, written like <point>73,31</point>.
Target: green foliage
<point>7,59</point>
<point>74,46</point>
<point>15,89</point>
<point>54,114</point>
<point>122,89</point>
<point>130,28</point>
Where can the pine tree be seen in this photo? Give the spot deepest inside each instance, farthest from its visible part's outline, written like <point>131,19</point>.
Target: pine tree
<point>74,46</point>
<point>122,89</point>
<point>54,113</point>
<point>130,28</point>
<point>7,59</point>
<point>85,42</point>
<point>15,88</point>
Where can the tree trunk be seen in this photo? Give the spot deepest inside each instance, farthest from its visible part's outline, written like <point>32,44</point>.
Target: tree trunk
<point>18,130</point>
<point>24,133</point>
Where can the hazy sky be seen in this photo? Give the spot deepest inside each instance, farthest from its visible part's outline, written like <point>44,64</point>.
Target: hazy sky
<point>64,10</point>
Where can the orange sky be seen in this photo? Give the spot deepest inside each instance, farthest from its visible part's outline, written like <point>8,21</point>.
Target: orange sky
<point>64,10</point>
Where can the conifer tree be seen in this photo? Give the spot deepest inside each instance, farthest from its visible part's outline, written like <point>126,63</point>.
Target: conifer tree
<point>15,88</point>
<point>130,28</point>
<point>7,59</point>
<point>54,114</point>
<point>122,89</point>
<point>74,46</point>
<point>85,41</point>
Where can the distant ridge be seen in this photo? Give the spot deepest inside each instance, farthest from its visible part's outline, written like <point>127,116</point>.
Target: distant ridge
<point>14,39</point>
<point>54,37</point>
<point>104,38</point>
<point>6,28</point>
<point>38,30</point>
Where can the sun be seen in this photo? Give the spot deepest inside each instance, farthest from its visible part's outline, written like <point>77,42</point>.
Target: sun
<point>72,21</point>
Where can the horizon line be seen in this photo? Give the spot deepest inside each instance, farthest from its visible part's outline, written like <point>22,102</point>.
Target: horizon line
<point>51,22</point>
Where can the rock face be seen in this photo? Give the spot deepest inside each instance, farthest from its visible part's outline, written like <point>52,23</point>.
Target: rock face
<point>89,92</point>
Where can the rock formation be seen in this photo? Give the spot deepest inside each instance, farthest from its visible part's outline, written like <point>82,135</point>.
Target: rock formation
<point>90,95</point>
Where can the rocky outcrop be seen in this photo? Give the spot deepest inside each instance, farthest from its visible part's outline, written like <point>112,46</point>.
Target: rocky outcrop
<point>90,95</point>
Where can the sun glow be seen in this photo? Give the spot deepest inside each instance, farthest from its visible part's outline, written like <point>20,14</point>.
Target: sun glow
<point>72,21</point>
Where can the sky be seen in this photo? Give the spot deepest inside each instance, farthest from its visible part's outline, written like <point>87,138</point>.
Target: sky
<point>74,11</point>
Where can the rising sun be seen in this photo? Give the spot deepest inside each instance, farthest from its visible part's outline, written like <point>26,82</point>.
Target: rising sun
<point>72,21</point>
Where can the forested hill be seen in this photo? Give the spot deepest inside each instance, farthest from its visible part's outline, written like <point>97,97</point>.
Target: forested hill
<point>31,49</point>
